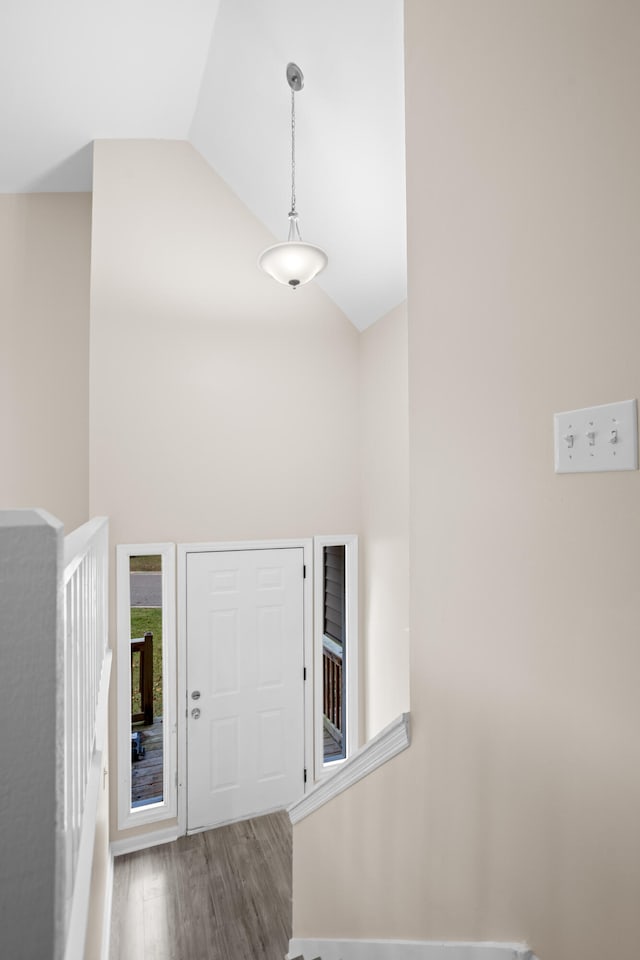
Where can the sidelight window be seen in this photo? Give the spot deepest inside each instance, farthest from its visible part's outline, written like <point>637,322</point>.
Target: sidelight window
<point>146,683</point>
<point>336,646</point>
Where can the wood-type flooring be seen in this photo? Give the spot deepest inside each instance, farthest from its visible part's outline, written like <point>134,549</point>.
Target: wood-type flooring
<point>220,895</point>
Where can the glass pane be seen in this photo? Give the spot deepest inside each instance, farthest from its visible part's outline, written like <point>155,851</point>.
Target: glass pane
<point>147,767</point>
<point>333,652</point>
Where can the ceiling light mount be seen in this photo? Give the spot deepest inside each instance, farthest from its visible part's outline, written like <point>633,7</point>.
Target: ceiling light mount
<point>295,77</point>
<point>294,262</point>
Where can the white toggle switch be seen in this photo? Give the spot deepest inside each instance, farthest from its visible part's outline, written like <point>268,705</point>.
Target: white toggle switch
<point>597,438</point>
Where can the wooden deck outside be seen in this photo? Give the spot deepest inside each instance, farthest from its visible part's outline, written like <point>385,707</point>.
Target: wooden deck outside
<point>146,774</point>
<point>331,748</point>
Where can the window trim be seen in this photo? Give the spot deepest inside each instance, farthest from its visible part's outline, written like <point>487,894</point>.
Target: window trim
<point>167,808</point>
<point>351,661</point>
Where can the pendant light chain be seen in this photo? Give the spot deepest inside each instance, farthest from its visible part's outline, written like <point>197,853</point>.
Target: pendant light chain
<point>293,152</point>
<point>294,229</point>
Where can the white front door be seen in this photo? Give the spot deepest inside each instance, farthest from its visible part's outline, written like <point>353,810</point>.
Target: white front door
<point>245,706</point>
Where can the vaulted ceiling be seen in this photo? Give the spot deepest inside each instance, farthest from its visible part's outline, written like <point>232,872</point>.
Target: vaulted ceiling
<point>213,72</point>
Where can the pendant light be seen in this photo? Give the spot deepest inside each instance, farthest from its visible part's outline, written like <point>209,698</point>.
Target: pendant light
<point>294,262</point>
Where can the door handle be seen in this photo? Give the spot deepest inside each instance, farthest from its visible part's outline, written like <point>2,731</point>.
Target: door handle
<point>195,713</point>
<point>195,695</point>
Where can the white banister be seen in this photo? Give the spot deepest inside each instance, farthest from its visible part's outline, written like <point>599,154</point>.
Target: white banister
<point>86,670</point>
<point>54,682</point>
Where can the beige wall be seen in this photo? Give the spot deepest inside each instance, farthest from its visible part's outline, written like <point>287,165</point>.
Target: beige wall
<point>514,815</point>
<point>384,544</point>
<point>223,406</point>
<point>212,388</point>
<point>44,350</point>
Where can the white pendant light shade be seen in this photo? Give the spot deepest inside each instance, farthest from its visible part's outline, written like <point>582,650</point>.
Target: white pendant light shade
<point>294,262</point>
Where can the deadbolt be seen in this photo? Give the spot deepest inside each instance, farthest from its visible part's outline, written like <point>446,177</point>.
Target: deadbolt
<point>195,695</point>
<point>195,713</point>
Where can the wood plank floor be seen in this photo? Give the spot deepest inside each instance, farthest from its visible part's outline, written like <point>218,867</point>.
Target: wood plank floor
<point>220,895</point>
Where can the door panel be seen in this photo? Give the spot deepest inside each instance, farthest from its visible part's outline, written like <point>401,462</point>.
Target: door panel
<point>245,752</point>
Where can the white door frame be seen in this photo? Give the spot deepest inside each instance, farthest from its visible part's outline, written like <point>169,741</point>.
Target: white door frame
<point>222,547</point>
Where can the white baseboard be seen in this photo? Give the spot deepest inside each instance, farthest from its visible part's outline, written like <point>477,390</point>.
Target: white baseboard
<point>143,840</point>
<point>106,918</point>
<point>406,950</point>
<point>385,745</point>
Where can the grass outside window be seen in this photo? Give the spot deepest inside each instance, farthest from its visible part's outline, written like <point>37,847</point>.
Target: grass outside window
<point>143,620</point>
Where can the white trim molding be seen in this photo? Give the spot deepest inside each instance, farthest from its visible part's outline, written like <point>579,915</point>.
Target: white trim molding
<point>407,950</point>
<point>387,744</point>
<point>142,841</point>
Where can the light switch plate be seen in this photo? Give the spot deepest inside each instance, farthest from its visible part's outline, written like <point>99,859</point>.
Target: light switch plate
<point>597,438</point>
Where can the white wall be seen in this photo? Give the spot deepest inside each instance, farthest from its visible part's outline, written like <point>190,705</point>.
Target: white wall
<point>384,545</point>
<point>44,353</point>
<point>514,814</point>
<point>223,406</point>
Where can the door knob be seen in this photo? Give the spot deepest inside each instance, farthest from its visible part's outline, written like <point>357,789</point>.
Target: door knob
<point>195,695</point>
<point>195,713</point>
